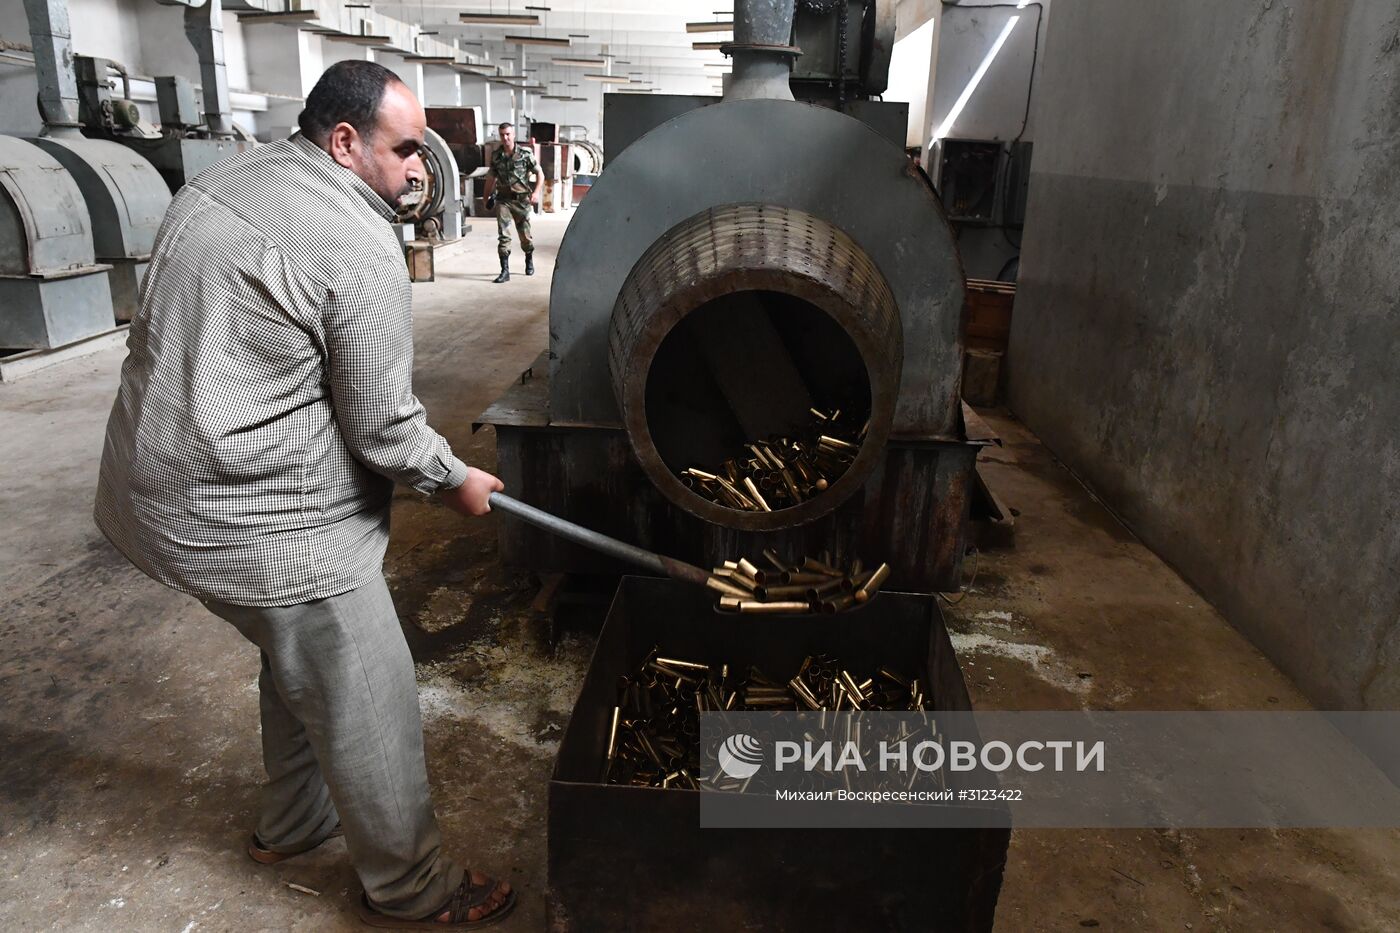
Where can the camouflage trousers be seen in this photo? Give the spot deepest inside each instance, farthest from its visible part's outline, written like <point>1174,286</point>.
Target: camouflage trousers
<point>519,209</point>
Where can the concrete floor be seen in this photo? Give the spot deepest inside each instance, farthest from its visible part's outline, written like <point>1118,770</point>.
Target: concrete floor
<point>129,715</point>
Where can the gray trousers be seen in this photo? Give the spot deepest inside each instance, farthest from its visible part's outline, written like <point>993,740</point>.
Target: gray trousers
<point>343,743</point>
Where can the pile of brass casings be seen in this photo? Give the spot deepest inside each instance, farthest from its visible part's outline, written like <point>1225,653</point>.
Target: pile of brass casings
<point>781,472</point>
<point>834,704</point>
<point>809,586</point>
<point>653,738</point>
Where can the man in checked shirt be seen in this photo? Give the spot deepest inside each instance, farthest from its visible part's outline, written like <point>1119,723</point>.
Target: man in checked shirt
<point>266,410</point>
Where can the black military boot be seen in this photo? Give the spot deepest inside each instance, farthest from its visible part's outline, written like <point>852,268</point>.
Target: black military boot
<point>529,263</point>
<point>505,270</point>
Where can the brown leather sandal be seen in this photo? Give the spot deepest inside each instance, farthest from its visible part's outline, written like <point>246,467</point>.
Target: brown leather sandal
<point>464,900</point>
<point>264,856</point>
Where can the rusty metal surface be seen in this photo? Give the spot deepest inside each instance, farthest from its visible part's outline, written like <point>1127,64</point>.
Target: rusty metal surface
<point>976,430</point>
<point>458,126</point>
<point>877,46</point>
<point>911,511</point>
<point>525,404</point>
<point>744,248</point>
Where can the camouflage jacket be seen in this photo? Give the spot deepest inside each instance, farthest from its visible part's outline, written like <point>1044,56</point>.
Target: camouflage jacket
<point>512,172</point>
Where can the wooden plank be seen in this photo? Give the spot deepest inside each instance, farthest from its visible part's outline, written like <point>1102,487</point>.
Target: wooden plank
<point>989,318</point>
<point>992,285</point>
<point>981,382</point>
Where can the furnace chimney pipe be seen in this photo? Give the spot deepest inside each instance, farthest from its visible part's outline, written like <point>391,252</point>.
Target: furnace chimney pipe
<point>762,50</point>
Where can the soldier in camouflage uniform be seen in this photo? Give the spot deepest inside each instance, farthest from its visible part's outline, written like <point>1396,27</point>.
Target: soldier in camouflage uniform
<point>509,180</point>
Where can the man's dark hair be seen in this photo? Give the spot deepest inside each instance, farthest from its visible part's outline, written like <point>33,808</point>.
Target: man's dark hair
<point>503,126</point>
<point>349,92</point>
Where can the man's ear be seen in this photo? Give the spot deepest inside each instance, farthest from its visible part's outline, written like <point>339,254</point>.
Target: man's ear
<point>343,144</point>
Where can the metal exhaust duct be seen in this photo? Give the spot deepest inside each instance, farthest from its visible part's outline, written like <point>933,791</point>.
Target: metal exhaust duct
<point>53,61</point>
<point>762,50</point>
<point>204,27</point>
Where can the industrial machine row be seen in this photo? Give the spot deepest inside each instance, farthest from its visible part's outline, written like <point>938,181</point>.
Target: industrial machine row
<point>81,203</point>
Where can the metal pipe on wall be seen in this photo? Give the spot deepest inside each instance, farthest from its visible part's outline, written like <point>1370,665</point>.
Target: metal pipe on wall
<point>204,27</point>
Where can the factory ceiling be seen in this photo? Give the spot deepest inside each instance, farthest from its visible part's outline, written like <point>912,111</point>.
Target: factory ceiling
<point>647,39</point>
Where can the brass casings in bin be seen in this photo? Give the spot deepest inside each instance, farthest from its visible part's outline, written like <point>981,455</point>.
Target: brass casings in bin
<point>757,607</point>
<point>711,255</point>
<point>872,585</point>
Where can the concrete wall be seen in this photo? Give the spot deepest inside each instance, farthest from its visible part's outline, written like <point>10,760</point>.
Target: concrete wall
<point>442,87</point>
<point>18,87</point>
<point>410,73</point>
<point>910,66</point>
<point>273,57</point>
<point>1208,323</point>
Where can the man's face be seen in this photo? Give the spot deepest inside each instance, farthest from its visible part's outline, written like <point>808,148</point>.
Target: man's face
<point>508,136</point>
<point>387,159</point>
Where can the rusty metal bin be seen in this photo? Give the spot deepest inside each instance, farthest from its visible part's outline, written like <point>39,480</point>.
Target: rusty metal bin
<point>636,859</point>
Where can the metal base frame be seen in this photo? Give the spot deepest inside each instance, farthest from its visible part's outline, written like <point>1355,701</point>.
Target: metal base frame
<point>39,314</point>
<point>635,858</point>
<point>912,511</point>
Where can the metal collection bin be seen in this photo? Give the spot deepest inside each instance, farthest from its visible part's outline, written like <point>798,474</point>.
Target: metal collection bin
<point>635,858</point>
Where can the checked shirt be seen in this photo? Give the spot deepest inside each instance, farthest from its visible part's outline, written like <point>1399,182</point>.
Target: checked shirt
<point>266,405</point>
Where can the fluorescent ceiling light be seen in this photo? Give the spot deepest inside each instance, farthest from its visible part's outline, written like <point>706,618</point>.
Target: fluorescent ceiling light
<point>709,27</point>
<point>540,40</point>
<point>608,79</point>
<point>359,40</point>
<point>289,16</point>
<point>977,76</point>
<point>500,19</point>
<point>707,46</point>
<point>579,61</point>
